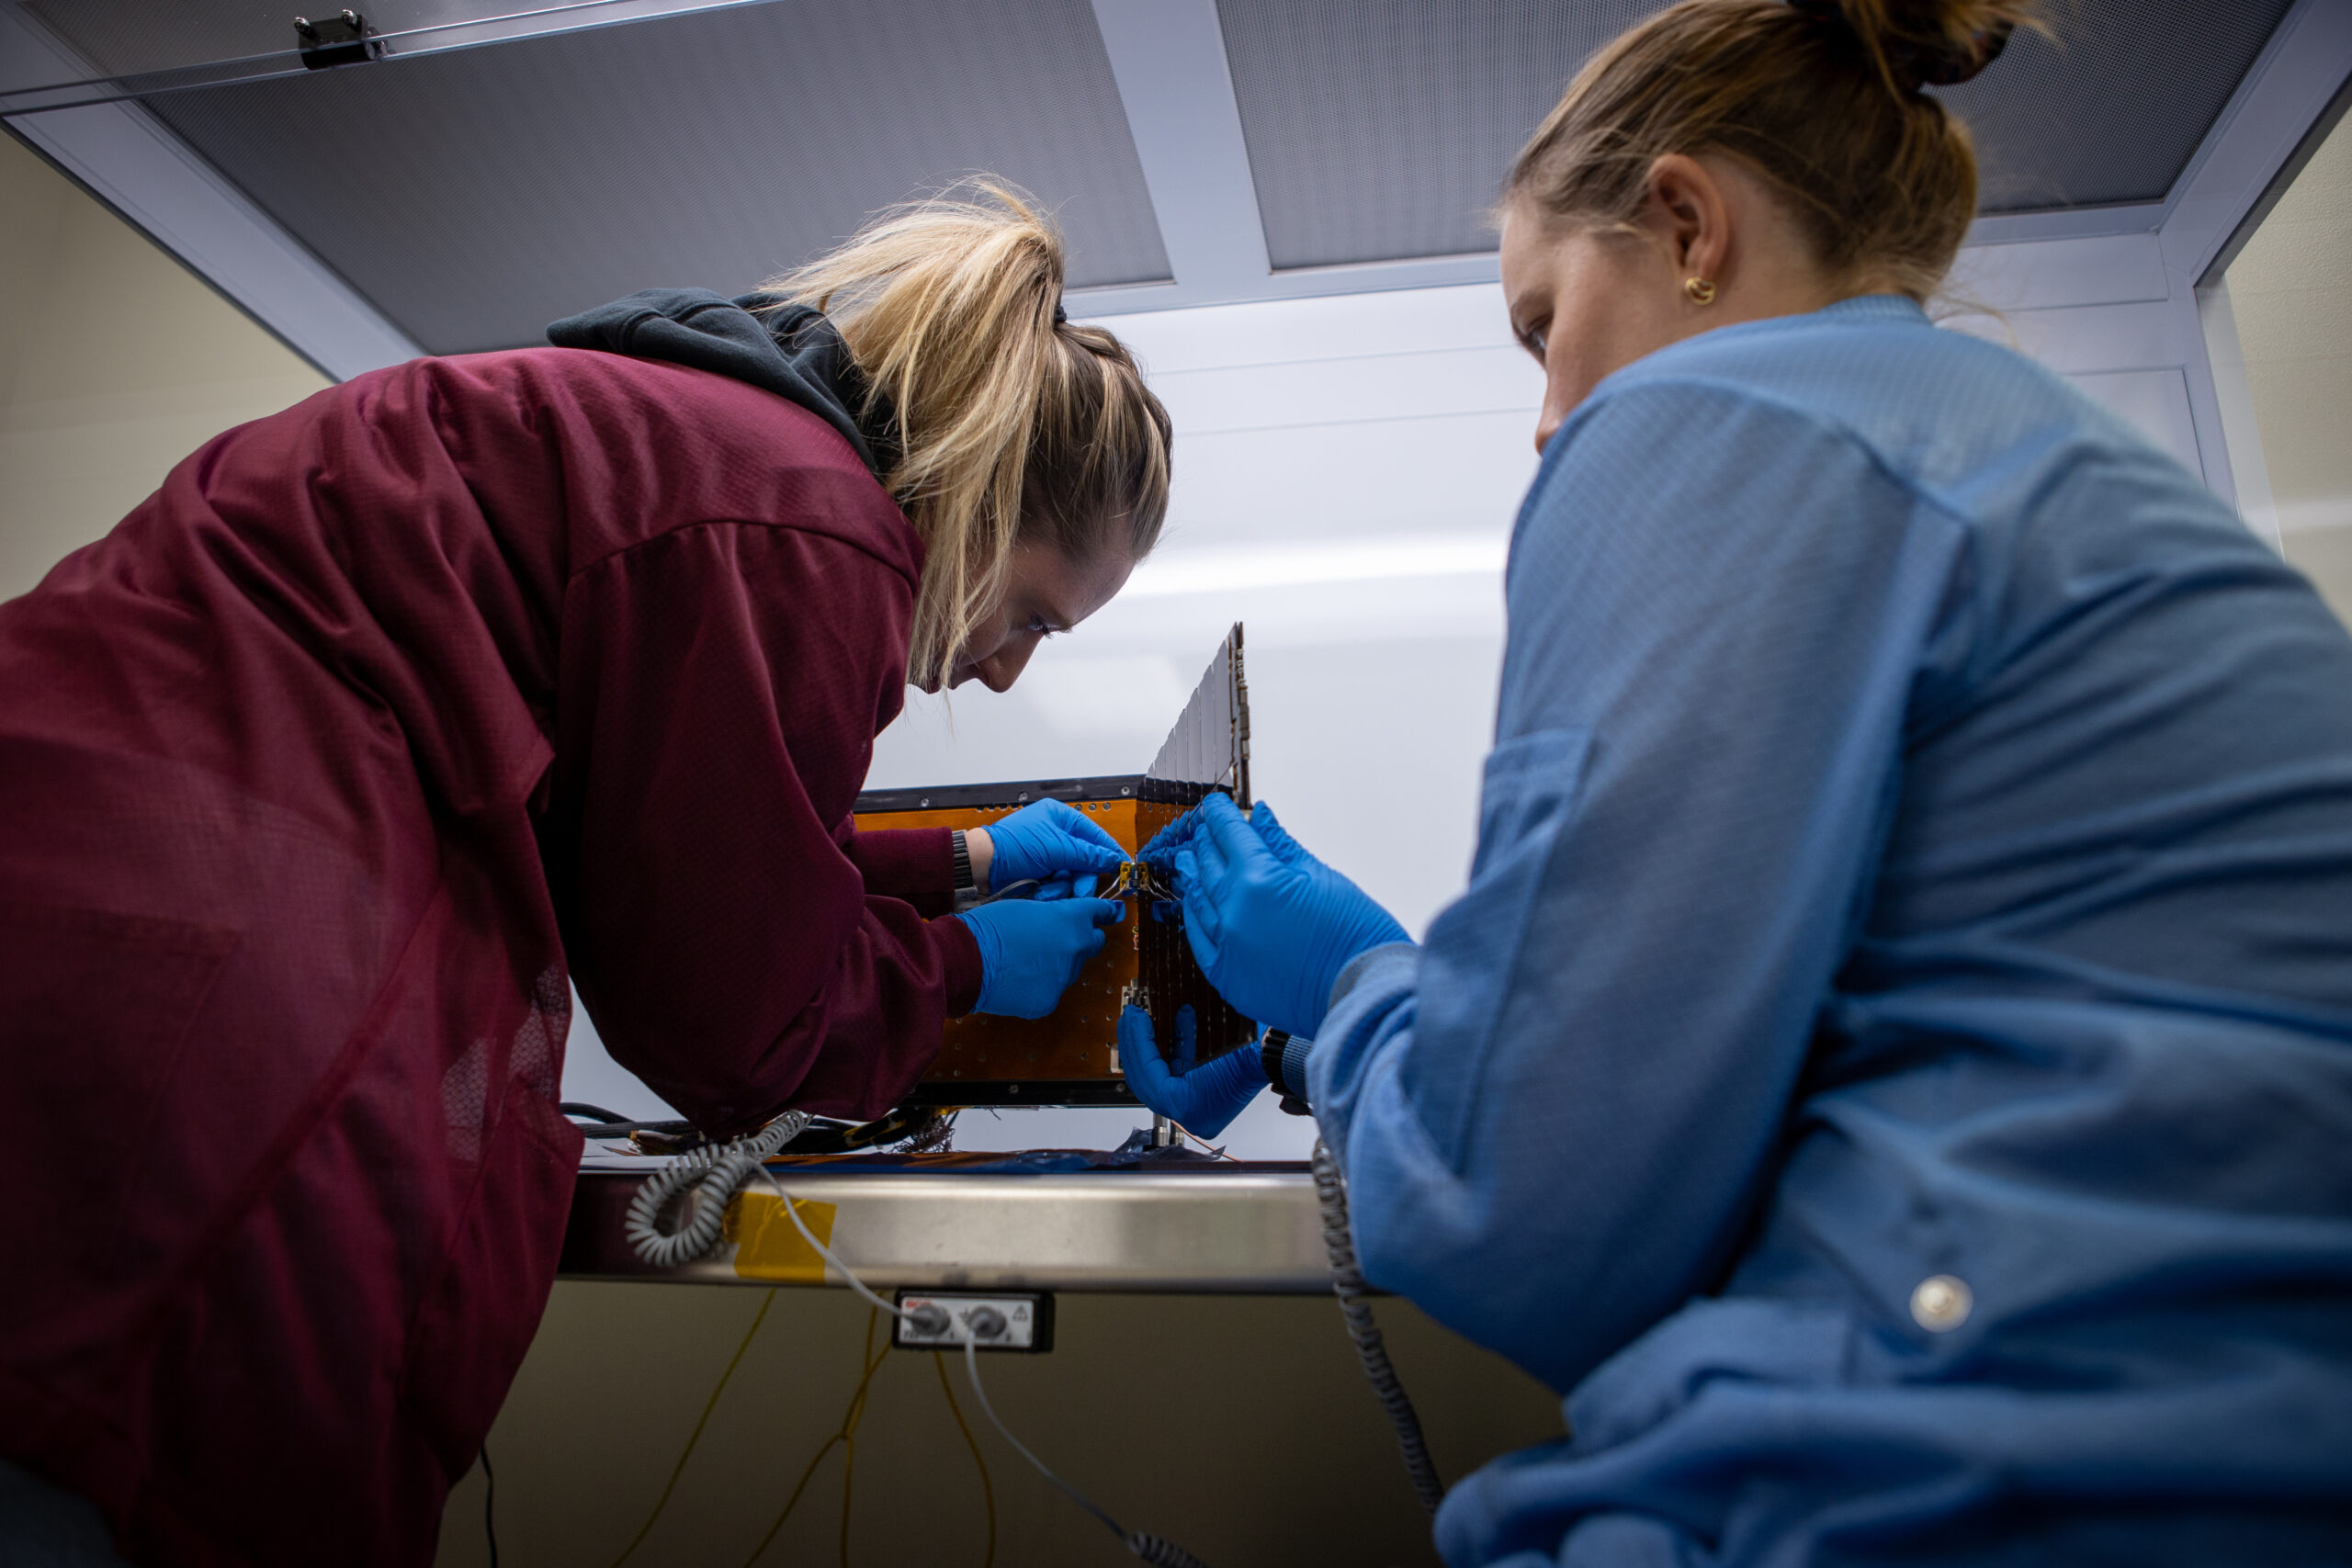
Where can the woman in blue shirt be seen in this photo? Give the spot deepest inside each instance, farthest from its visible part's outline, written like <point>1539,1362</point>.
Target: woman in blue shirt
<point>1891,1067</point>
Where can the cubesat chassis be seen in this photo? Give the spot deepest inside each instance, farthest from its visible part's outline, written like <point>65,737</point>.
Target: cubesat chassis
<point>1071,1056</point>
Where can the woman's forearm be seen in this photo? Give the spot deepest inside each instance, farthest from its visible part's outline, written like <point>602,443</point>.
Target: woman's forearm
<point>981,849</point>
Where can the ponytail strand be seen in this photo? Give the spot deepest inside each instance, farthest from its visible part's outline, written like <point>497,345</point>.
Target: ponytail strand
<point>1012,425</point>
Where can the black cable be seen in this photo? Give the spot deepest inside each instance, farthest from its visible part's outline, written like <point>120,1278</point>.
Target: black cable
<point>596,1121</point>
<point>1348,1284</point>
<point>490,1504</point>
<point>827,1136</point>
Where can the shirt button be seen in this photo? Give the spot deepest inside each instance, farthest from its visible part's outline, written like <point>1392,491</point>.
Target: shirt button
<point>1941,1304</point>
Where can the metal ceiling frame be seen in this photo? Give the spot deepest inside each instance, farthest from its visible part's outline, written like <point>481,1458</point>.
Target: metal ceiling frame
<point>1167,58</point>
<point>2292,88</point>
<point>2289,88</point>
<point>85,86</point>
<point>122,156</point>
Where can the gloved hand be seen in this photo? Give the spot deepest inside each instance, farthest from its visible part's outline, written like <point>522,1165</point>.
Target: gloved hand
<point>1271,925</point>
<point>1049,843</point>
<point>1205,1099</point>
<point>1030,952</point>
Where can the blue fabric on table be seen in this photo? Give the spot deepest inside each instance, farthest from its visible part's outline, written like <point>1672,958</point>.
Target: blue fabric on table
<point>1917,843</point>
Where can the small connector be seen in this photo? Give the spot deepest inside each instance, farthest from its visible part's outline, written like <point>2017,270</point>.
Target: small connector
<point>344,38</point>
<point>935,1320</point>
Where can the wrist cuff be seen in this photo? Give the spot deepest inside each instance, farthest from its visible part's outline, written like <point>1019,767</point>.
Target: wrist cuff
<point>967,949</point>
<point>1283,1056</point>
<point>964,883</point>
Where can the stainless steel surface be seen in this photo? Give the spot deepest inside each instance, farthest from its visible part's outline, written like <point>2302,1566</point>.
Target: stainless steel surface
<point>1250,1232</point>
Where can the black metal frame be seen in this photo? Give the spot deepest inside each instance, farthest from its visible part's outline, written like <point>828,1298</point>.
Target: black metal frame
<point>939,1093</point>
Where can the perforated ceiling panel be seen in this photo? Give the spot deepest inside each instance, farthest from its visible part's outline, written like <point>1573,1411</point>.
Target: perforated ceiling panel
<point>120,37</point>
<point>475,195</point>
<point>1380,129</point>
<point>2111,110</point>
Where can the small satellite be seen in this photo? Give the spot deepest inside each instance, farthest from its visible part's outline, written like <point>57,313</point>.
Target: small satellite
<point>1071,1055</point>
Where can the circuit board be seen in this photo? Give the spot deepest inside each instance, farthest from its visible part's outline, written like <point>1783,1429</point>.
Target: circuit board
<point>1071,1055</point>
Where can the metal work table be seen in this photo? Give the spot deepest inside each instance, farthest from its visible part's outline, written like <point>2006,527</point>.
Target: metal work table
<point>1250,1229</point>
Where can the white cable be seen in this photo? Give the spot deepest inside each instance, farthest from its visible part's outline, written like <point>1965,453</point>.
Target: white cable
<point>1150,1548</point>
<point>792,1213</point>
<point>972,1371</point>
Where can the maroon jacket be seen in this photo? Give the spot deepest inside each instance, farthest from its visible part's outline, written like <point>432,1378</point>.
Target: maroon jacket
<point>317,776</point>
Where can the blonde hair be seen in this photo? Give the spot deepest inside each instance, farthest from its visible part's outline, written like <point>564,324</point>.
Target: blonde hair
<point>1013,427</point>
<point>1822,98</point>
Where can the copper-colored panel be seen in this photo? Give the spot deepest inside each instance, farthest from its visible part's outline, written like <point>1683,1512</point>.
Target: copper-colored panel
<point>1080,1040</point>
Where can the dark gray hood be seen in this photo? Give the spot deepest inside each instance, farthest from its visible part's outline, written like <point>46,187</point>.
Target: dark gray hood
<point>794,352</point>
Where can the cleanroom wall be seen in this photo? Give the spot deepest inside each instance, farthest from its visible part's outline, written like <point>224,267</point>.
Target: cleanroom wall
<point>115,362</point>
<point>2290,291</point>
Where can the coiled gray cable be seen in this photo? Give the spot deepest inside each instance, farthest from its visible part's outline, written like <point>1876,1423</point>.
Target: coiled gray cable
<point>1348,1284</point>
<point>703,1181</point>
<point>1161,1552</point>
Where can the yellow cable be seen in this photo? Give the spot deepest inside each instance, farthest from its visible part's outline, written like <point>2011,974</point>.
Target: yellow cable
<point>988,1493</point>
<point>850,1419</point>
<point>708,1405</point>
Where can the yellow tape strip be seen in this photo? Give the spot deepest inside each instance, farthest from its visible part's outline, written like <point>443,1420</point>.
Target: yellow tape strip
<point>769,1246</point>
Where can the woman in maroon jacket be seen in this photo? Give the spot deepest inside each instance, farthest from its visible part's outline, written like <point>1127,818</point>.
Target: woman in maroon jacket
<point>322,772</point>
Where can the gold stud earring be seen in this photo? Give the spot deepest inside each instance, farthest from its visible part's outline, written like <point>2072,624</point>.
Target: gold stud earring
<point>1701,290</point>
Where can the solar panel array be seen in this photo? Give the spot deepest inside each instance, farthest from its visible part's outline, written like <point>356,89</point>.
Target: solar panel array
<point>1209,747</point>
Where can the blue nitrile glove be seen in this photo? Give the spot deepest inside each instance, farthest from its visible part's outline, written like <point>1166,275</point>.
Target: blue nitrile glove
<point>1271,925</point>
<point>1159,851</point>
<point>1205,1099</point>
<point>1047,843</point>
<point>1030,952</point>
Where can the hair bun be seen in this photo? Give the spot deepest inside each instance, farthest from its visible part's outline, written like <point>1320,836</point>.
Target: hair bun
<point>1954,42</point>
<point>1949,67</point>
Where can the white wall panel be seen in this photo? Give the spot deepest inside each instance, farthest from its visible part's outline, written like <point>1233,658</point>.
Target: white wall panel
<point>1281,332</point>
<point>1457,472</point>
<point>2106,313</point>
<point>1418,384</point>
<point>2155,402</point>
<point>2085,339</point>
<point>2100,270</point>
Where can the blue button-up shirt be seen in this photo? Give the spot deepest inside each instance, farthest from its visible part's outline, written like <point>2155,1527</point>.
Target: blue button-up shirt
<point>1894,1059</point>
